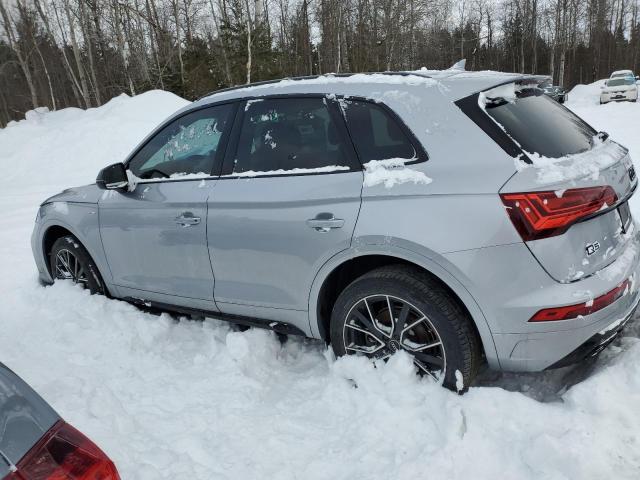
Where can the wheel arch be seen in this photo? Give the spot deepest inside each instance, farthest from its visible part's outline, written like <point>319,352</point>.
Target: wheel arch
<point>49,237</point>
<point>56,229</point>
<point>345,267</point>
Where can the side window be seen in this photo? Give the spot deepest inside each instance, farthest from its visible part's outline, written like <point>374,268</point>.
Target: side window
<point>375,133</point>
<point>290,133</point>
<point>188,145</point>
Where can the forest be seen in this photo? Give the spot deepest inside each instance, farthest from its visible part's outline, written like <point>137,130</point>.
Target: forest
<point>81,53</point>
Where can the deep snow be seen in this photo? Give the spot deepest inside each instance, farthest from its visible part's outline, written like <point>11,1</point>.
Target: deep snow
<point>199,400</point>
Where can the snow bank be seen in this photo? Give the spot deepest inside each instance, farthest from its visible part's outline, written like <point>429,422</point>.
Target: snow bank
<point>586,94</point>
<point>171,399</point>
<point>68,147</point>
<point>196,400</point>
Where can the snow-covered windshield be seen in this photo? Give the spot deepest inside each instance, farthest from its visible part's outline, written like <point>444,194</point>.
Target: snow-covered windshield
<point>540,125</point>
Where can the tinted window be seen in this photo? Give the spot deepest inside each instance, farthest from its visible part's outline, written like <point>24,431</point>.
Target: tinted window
<point>375,133</point>
<point>187,145</point>
<point>540,125</point>
<point>289,133</point>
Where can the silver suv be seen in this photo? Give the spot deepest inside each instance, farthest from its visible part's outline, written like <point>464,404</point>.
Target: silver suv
<point>461,217</point>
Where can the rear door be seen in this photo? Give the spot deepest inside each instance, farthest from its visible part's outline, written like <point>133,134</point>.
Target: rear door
<point>287,202</point>
<point>155,237</point>
<point>574,173</point>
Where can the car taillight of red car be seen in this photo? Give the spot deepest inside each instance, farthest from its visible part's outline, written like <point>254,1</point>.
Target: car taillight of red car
<point>64,453</point>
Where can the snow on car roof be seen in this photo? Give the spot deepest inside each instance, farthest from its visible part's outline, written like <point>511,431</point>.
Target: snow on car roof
<point>454,83</point>
<point>622,72</point>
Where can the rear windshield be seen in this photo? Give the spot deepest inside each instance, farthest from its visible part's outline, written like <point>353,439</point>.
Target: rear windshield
<point>541,125</point>
<point>616,82</point>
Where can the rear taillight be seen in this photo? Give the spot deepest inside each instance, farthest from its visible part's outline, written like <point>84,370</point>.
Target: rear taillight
<point>545,214</point>
<point>64,453</point>
<point>581,309</point>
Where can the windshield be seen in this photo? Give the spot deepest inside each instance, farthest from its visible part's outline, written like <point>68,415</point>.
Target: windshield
<point>616,82</point>
<point>540,125</point>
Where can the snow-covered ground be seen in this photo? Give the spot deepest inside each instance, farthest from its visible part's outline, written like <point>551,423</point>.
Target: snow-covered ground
<point>171,399</point>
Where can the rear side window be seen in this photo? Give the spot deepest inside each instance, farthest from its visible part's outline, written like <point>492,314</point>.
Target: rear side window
<point>375,133</point>
<point>290,134</point>
<point>541,125</point>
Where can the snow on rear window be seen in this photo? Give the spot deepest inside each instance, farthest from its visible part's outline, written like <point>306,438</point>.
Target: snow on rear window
<point>589,163</point>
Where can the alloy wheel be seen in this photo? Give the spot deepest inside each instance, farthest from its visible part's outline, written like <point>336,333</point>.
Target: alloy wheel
<point>379,325</point>
<point>68,267</point>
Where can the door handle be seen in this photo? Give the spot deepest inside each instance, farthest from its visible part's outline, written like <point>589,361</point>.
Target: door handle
<point>325,222</point>
<point>187,219</point>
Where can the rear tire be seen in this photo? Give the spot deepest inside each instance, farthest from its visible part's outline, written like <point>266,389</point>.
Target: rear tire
<point>69,260</point>
<point>444,340</point>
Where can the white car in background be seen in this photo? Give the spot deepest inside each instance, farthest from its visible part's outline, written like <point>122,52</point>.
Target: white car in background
<point>619,89</point>
<point>622,73</point>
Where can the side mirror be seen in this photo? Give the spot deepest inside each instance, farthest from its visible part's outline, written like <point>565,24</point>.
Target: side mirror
<point>113,177</point>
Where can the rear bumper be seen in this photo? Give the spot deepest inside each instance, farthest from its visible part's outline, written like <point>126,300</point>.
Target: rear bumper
<point>510,286</point>
<point>597,343</point>
<point>541,351</point>
<point>536,351</point>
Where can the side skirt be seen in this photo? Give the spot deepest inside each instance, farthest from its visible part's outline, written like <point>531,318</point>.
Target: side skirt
<point>278,327</point>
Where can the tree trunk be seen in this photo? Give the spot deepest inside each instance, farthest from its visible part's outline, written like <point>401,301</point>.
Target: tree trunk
<point>84,28</point>
<point>76,54</point>
<point>249,58</point>
<point>22,59</point>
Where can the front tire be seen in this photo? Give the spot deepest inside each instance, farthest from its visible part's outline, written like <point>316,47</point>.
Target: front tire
<point>426,321</point>
<point>69,260</point>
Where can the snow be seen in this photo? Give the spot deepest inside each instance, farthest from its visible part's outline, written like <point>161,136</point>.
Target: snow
<point>358,78</point>
<point>291,171</point>
<point>506,92</point>
<point>392,171</point>
<point>571,167</point>
<point>169,398</point>
<point>189,176</point>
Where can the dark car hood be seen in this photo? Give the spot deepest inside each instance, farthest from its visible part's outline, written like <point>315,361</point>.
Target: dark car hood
<point>24,418</point>
<point>85,194</point>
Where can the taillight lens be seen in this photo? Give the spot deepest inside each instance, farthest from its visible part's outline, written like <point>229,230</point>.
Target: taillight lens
<point>581,309</point>
<point>545,214</point>
<point>64,453</point>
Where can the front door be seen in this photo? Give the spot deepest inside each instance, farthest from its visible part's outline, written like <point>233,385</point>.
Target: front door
<point>288,201</point>
<point>155,237</point>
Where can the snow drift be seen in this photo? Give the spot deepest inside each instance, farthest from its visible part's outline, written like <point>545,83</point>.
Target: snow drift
<point>199,400</point>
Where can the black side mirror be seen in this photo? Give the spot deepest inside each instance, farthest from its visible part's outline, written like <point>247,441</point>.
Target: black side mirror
<point>113,177</point>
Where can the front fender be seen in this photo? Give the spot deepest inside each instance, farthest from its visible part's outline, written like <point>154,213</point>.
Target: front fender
<point>82,220</point>
<point>417,255</point>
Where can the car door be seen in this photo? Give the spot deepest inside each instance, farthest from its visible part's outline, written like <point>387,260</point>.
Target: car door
<point>155,236</point>
<point>287,201</point>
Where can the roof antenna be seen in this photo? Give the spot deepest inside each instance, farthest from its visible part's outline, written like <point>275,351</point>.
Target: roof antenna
<point>459,66</point>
